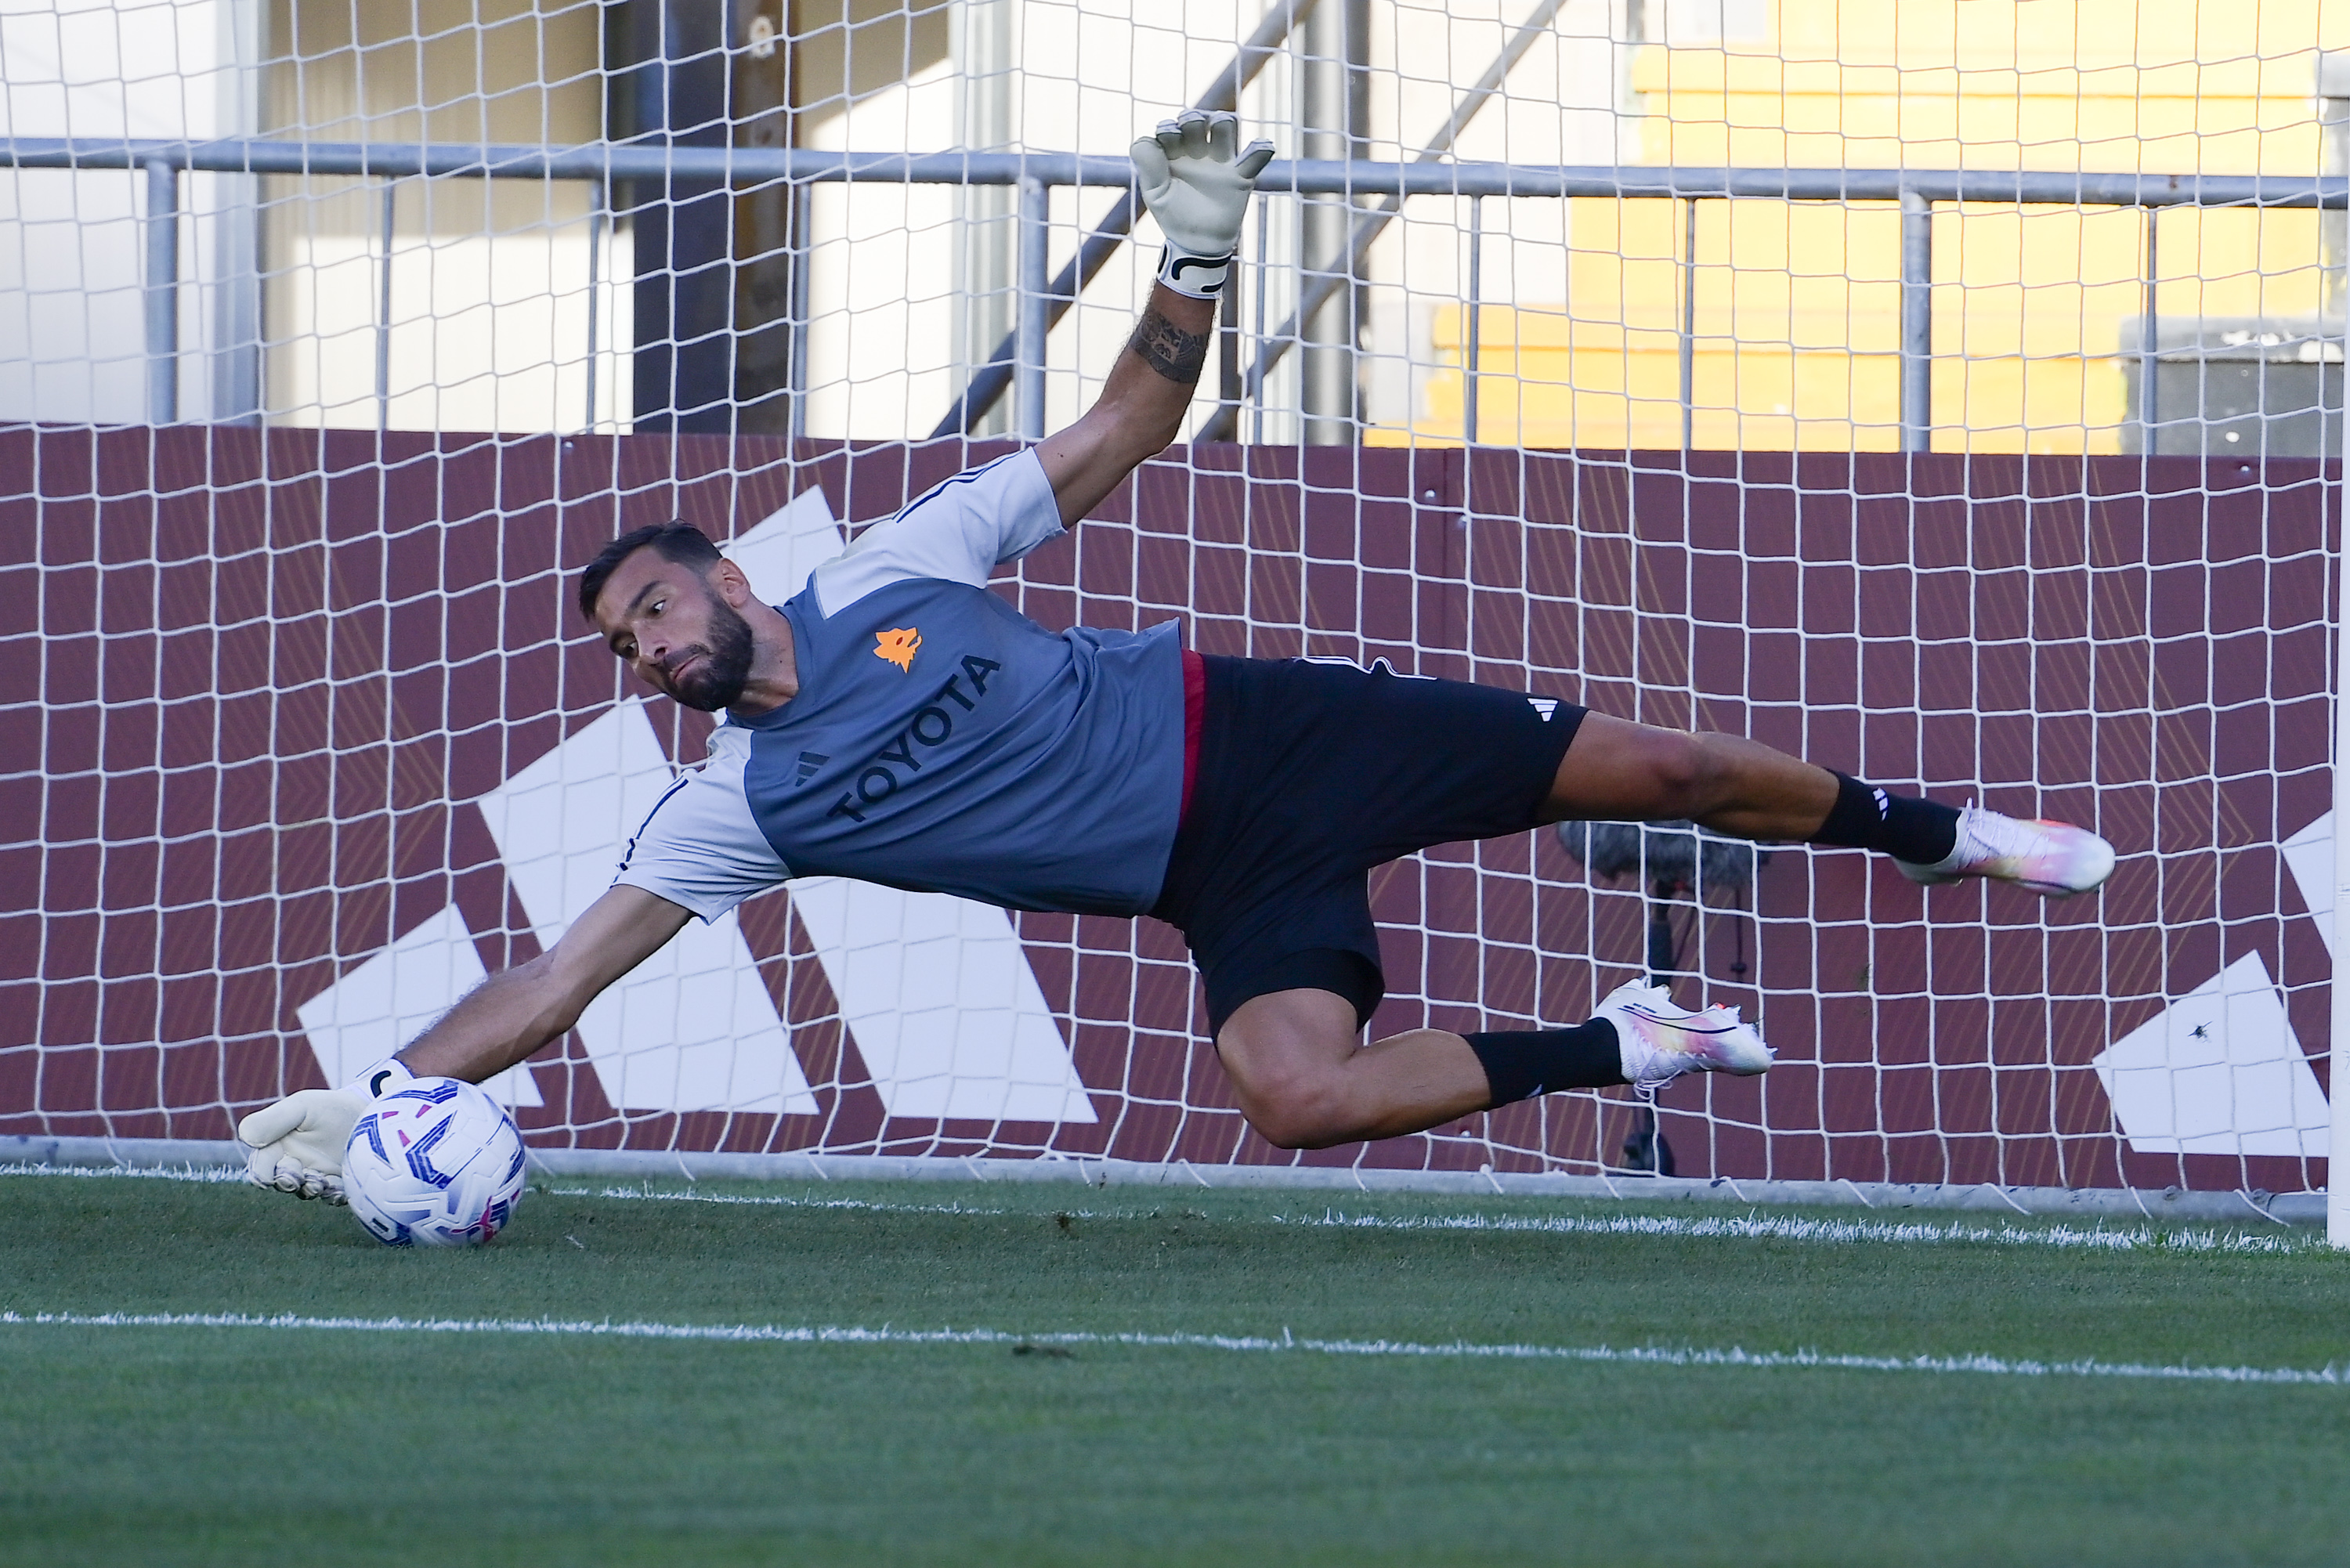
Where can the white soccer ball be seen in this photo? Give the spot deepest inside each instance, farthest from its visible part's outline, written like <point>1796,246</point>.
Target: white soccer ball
<point>433,1163</point>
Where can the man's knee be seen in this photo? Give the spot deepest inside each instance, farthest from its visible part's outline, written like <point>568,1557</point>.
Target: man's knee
<point>1301,1113</point>
<point>1682,772</point>
<point>1286,1053</point>
<point>1617,771</point>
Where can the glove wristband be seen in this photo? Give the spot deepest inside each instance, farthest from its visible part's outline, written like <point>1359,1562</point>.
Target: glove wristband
<point>388,1074</point>
<point>1201,277</point>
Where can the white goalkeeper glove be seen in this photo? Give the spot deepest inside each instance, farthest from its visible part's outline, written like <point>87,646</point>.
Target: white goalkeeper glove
<point>1198,188</point>
<point>297,1145</point>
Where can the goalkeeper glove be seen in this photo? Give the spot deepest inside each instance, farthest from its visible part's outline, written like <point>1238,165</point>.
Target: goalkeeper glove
<point>297,1145</point>
<point>1198,188</point>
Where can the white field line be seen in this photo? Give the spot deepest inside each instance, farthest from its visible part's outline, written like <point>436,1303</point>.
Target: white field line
<point>203,1174</point>
<point>1647,1355</point>
<point>1756,1227</point>
<point>1783,1228</point>
<point>1753,1227</point>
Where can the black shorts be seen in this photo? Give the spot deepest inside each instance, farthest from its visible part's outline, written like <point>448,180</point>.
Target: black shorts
<point>1310,774</point>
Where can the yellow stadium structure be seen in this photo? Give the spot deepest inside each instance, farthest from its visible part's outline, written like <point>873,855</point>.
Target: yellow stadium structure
<point>2036,309</point>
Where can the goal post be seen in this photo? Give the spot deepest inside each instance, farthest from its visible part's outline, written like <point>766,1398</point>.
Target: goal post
<point>2337,1192</point>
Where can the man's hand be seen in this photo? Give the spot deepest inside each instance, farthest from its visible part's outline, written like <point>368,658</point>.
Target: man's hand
<point>1197,187</point>
<point>297,1145</point>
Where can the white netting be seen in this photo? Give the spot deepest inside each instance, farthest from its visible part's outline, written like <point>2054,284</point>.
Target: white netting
<point>301,736</point>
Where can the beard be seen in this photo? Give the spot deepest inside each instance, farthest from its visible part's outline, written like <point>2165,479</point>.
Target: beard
<point>726,667</point>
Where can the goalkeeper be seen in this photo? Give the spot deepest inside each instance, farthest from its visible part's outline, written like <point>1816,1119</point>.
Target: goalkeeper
<point>896,722</point>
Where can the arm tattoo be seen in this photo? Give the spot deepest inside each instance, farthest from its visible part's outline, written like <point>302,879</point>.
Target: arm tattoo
<point>1168,350</point>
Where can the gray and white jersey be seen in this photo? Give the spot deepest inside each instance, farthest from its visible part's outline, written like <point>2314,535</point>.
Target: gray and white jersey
<point>940,742</point>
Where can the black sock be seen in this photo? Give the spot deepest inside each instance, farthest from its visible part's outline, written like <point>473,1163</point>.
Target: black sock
<point>1921,832</point>
<point>1536,1062</point>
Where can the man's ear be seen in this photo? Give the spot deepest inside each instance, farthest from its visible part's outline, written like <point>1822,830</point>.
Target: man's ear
<point>732,586</point>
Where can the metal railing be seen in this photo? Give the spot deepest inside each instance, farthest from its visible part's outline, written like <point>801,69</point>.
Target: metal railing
<point>1916,191</point>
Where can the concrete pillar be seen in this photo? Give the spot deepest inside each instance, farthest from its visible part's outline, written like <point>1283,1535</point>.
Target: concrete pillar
<point>1333,114</point>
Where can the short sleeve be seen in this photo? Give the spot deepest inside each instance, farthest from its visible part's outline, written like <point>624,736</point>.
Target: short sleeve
<point>958,531</point>
<point>699,846</point>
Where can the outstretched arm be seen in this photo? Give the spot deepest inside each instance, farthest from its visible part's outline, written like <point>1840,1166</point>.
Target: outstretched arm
<point>296,1144</point>
<point>1142,406</point>
<point>513,1014</point>
<point>1196,180</point>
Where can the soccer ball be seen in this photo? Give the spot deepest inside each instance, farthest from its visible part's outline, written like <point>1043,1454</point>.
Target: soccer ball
<point>433,1163</point>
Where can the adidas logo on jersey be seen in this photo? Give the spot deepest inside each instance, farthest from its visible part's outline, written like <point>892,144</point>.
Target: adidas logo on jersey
<point>1546,706</point>
<point>810,762</point>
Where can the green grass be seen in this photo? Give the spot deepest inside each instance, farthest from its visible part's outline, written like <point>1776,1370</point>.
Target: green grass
<point>234,1445</point>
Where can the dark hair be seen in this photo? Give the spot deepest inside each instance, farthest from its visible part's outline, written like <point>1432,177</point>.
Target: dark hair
<point>681,543</point>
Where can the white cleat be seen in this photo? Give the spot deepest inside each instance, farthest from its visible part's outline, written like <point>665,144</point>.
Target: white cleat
<point>1660,1041</point>
<point>2051,858</point>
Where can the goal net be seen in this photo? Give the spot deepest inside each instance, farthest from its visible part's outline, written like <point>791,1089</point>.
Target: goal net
<point>303,737</point>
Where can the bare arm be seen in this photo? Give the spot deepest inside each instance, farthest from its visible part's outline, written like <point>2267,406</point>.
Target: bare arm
<point>1141,409</point>
<point>513,1014</point>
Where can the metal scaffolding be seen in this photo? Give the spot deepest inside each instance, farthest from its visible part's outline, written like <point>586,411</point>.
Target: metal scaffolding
<point>1041,299</point>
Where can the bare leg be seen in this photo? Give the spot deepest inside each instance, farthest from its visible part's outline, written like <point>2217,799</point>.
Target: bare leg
<point>1304,1083</point>
<point>1616,771</point>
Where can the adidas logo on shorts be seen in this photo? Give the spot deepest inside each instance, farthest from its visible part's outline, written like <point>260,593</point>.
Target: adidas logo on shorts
<point>1546,706</point>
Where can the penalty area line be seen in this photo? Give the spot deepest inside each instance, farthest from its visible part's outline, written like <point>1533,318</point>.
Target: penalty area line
<point>1638,1356</point>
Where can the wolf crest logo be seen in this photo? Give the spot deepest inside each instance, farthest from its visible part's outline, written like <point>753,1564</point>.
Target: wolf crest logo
<point>898,647</point>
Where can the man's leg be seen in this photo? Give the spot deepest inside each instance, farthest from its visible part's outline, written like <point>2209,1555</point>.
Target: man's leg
<point>1616,771</point>
<point>1620,772</point>
<point>1304,1082</point>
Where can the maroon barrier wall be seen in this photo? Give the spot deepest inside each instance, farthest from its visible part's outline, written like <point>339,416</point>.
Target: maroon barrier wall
<point>242,678</point>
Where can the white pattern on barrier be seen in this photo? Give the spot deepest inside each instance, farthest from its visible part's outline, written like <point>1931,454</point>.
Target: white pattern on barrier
<point>381,1006</point>
<point>2309,855</point>
<point>692,1028</point>
<point>2219,1071</point>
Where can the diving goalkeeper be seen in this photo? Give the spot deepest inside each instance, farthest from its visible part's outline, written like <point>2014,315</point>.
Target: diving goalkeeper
<point>896,722</point>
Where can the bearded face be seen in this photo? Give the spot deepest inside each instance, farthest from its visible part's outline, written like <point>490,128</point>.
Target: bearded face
<point>711,674</point>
